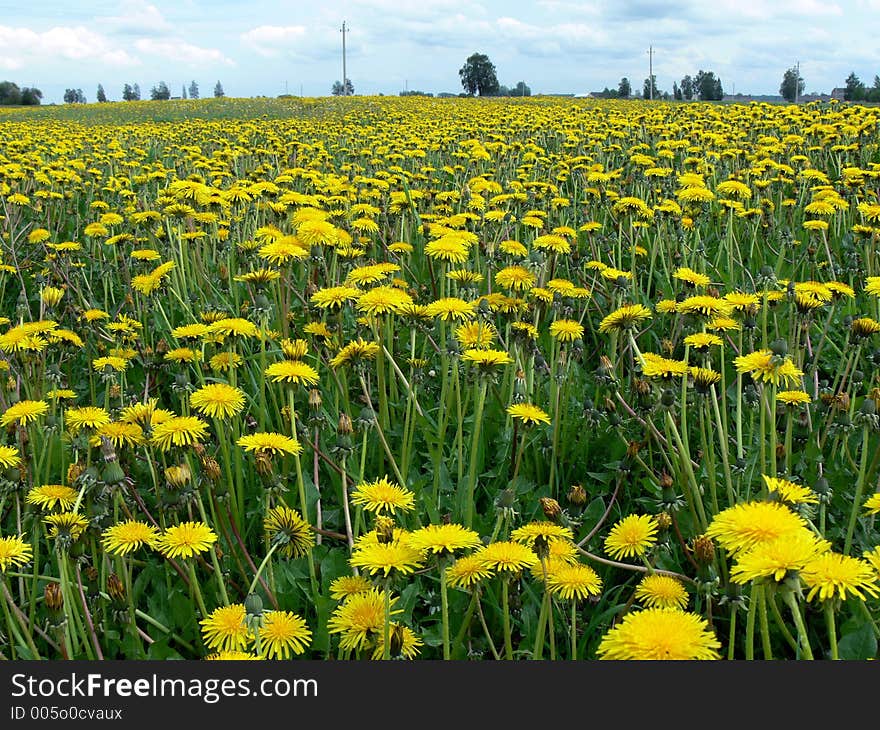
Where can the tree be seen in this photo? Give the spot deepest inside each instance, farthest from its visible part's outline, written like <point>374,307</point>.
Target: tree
<point>10,94</point>
<point>339,90</point>
<point>792,85</point>
<point>136,92</point>
<point>676,91</point>
<point>854,89</point>
<point>183,92</point>
<point>101,96</point>
<point>218,90</point>
<point>708,87</point>
<point>74,96</point>
<point>193,90</point>
<point>478,75</point>
<point>687,88</point>
<point>624,89</point>
<point>873,94</point>
<point>160,92</point>
<point>649,88</point>
<point>521,89</point>
<point>30,96</point>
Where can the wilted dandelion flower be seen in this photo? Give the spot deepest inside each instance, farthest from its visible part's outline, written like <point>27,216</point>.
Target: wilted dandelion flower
<point>122,538</point>
<point>287,528</point>
<point>660,634</point>
<point>51,496</point>
<point>383,496</point>
<point>14,552</point>
<point>283,634</point>
<point>632,536</point>
<point>186,539</point>
<point>225,629</point>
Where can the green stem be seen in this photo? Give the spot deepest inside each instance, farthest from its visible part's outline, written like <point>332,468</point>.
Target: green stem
<point>832,629</point>
<point>860,488</point>
<point>505,610</point>
<point>803,639</point>
<point>472,467</point>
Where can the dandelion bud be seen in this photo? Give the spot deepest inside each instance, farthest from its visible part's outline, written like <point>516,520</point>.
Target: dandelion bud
<point>53,596</point>
<point>577,495</point>
<point>177,476</point>
<point>395,642</point>
<point>253,604</point>
<point>779,347</point>
<point>211,468</point>
<point>667,345</point>
<point>10,383</point>
<point>74,471</point>
<point>384,529</point>
<point>667,399</point>
<point>344,427</point>
<point>704,550</point>
<point>115,390</point>
<point>115,588</point>
<point>664,520</point>
<point>551,508</point>
<point>113,473</point>
<point>666,481</point>
<point>315,399</point>
<point>263,463</point>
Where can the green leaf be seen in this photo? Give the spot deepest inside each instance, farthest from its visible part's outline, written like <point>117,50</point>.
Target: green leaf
<point>858,645</point>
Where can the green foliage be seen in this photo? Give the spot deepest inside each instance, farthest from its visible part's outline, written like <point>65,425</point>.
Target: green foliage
<point>478,76</point>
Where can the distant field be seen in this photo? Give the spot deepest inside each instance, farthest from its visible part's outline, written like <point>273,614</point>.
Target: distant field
<point>380,377</point>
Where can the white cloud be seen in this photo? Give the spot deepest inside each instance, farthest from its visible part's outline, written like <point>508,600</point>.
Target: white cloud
<point>273,40</point>
<point>138,19</point>
<point>178,50</point>
<point>60,44</point>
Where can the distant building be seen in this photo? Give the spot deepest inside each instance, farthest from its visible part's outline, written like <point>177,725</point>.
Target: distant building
<point>746,98</point>
<point>838,93</point>
<point>807,98</point>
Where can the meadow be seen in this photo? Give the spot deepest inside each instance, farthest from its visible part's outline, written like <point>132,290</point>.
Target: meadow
<point>414,378</point>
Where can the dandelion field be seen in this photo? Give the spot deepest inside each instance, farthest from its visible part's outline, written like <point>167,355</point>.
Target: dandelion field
<point>396,378</point>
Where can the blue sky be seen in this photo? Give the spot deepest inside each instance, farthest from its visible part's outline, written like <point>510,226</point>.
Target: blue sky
<point>556,46</point>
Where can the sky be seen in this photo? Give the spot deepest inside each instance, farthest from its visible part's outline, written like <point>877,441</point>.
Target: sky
<point>272,47</point>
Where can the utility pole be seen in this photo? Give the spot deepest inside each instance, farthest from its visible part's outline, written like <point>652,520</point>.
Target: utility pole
<point>651,72</point>
<point>797,81</point>
<point>344,76</point>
